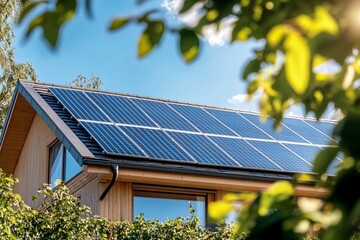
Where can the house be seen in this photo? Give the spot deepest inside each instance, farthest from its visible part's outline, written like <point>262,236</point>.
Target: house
<point>124,154</point>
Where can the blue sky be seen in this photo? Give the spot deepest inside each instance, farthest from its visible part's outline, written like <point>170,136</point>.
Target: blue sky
<point>86,47</point>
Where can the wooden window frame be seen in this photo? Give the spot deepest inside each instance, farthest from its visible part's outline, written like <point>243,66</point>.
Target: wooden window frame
<point>63,161</point>
<point>157,191</point>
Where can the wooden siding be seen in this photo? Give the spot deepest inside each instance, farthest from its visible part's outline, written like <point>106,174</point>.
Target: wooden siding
<point>15,134</point>
<point>89,195</point>
<point>32,167</point>
<point>198,181</point>
<point>118,203</point>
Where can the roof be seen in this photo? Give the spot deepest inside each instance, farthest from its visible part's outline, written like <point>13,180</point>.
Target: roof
<point>105,128</point>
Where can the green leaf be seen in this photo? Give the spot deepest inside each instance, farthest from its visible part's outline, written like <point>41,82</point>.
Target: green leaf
<point>219,210</point>
<point>29,8</point>
<point>51,27</point>
<point>36,22</point>
<point>189,45</point>
<point>278,192</point>
<point>251,67</point>
<point>150,38</point>
<point>118,23</point>
<point>297,62</point>
<point>324,159</point>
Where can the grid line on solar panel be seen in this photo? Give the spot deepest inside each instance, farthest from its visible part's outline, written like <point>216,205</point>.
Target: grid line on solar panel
<point>306,131</point>
<point>282,156</point>
<point>163,115</point>
<point>121,109</point>
<point>244,153</point>
<point>78,104</point>
<point>157,144</point>
<point>202,120</point>
<point>202,149</point>
<point>112,140</point>
<point>238,124</point>
<point>306,152</point>
<point>324,127</point>
<point>284,134</point>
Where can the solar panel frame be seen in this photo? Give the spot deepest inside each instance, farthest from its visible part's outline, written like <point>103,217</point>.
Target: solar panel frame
<point>240,150</point>
<point>285,134</point>
<point>157,144</point>
<point>241,127</point>
<point>281,155</point>
<point>123,110</point>
<point>202,149</point>
<point>78,105</point>
<point>202,120</point>
<point>324,127</point>
<point>112,140</point>
<point>157,110</point>
<point>306,131</point>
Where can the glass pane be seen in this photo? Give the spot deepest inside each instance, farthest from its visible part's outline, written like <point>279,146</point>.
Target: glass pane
<point>167,205</point>
<point>72,168</point>
<point>56,153</point>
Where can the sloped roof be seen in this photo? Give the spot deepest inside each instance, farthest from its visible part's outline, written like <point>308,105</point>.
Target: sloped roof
<point>103,128</point>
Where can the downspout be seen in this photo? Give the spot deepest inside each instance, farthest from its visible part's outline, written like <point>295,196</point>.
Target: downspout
<point>115,170</point>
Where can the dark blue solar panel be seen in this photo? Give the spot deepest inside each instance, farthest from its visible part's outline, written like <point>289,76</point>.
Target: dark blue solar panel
<point>244,154</point>
<point>121,109</point>
<point>284,134</point>
<point>282,156</point>
<point>111,139</point>
<point>306,131</point>
<point>78,104</point>
<point>202,120</point>
<point>305,151</point>
<point>202,149</point>
<point>163,115</point>
<point>323,127</point>
<point>157,144</point>
<point>238,124</point>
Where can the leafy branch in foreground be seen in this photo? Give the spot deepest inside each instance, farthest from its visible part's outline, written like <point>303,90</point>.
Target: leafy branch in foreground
<point>300,39</point>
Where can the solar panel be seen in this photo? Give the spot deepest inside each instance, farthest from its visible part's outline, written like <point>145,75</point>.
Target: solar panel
<point>202,149</point>
<point>164,116</point>
<point>78,104</point>
<point>282,156</point>
<point>157,144</point>
<point>202,120</point>
<point>306,131</point>
<point>307,152</point>
<point>283,135</point>
<point>111,139</point>
<point>121,109</point>
<point>244,153</point>
<point>145,139</point>
<point>324,127</point>
<point>238,124</point>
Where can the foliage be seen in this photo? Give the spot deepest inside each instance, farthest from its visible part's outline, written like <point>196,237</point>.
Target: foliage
<point>91,83</point>
<point>300,38</point>
<point>10,70</point>
<point>60,216</point>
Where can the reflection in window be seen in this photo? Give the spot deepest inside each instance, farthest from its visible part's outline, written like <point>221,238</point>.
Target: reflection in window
<point>62,164</point>
<point>159,205</point>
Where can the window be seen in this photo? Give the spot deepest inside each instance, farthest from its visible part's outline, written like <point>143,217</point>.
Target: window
<point>158,203</point>
<point>62,164</point>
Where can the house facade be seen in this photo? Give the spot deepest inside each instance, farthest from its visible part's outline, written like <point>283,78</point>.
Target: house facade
<point>123,155</point>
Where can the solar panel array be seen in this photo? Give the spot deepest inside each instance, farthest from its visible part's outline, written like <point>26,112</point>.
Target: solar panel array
<point>160,130</point>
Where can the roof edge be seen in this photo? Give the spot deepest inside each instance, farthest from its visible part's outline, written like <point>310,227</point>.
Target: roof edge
<point>180,102</point>
<point>71,142</point>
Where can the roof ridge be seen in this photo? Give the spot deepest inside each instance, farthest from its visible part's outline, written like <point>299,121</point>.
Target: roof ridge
<point>176,102</point>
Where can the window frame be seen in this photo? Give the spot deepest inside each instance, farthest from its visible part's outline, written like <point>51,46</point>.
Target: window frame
<point>63,161</point>
<point>157,191</point>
